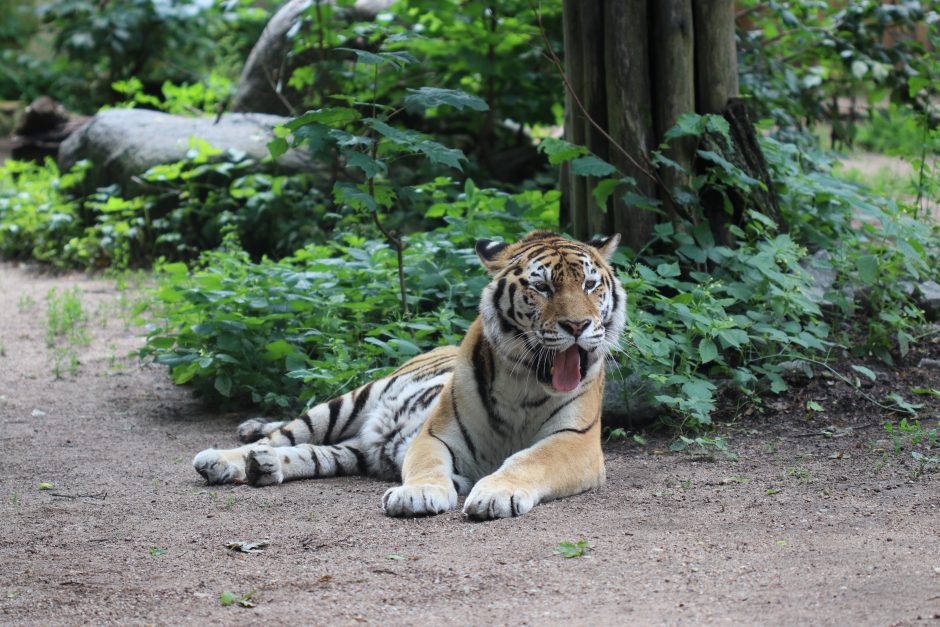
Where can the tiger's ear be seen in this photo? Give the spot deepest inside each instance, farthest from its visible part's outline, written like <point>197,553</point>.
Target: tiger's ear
<point>606,246</point>
<point>491,254</point>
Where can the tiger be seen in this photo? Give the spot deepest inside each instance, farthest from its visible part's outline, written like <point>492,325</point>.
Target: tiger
<point>509,418</point>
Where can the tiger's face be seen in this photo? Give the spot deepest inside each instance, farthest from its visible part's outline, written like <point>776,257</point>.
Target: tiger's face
<point>554,307</point>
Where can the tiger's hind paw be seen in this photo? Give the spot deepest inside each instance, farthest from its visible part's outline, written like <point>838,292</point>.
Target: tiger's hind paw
<point>251,430</point>
<point>422,500</point>
<point>217,466</point>
<point>264,467</point>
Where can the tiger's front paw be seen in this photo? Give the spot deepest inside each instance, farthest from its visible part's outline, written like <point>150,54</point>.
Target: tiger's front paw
<point>263,467</point>
<point>217,466</point>
<point>495,498</point>
<point>420,500</point>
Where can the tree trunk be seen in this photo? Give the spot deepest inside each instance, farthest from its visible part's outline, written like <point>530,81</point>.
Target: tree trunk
<point>574,195</point>
<point>674,86</point>
<point>635,67</point>
<point>629,112</point>
<point>716,61</point>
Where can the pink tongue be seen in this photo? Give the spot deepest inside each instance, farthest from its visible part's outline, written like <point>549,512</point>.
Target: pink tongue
<point>566,373</point>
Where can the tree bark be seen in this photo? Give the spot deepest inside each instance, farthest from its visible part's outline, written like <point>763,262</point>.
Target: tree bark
<point>716,61</point>
<point>595,102</point>
<point>573,187</point>
<point>635,67</point>
<point>629,112</point>
<point>673,70</point>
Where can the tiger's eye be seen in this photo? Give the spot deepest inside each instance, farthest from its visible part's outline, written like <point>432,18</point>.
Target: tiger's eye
<point>590,284</point>
<point>541,286</point>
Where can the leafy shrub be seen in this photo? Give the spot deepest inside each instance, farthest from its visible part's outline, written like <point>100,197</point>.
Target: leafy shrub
<point>94,44</point>
<point>878,249</point>
<point>689,327</point>
<point>38,218</point>
<point>186,209</point>
<point>326,318</point>
<point>797,59</point>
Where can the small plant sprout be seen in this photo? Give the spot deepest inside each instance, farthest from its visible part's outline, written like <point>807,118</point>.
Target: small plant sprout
<point>798,472</point>
<point>703,445</point>
<point>814,407</point>
<point>156,551</point>
<point>229,502</point>
<point>65,330</point>
<point>26,303</point>
<point>568,550</point>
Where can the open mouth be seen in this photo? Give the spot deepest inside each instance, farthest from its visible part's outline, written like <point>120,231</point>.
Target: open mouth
<point>565,369</point>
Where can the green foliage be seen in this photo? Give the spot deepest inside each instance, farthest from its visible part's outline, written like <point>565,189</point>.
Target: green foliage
<point>739,322</point>
<point>185,209</point>
<point>798,57</point>
<point>319,322</point>
<point>908,434</point>
<point>196,98</point>
<point>568,550</point>
<point>878,249</point>
<point>86,46</point>
<point>65,330</point>
<point>37,218</point>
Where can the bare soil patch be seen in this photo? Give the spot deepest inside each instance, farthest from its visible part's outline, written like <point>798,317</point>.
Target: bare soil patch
<point>818,521</point>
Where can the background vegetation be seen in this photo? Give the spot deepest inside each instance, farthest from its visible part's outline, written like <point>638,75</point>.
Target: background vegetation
<point>281,290</point>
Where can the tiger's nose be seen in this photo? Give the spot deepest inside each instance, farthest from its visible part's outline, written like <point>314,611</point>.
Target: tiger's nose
<point>574,327</point>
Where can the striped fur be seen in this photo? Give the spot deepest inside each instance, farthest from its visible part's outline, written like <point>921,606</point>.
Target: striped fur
<point>511,417</point>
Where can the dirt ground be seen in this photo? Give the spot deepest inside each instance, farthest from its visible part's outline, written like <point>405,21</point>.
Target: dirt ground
<point>818,521</point>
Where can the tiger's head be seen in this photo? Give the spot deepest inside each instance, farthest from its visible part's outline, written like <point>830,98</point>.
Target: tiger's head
<point>554,307</point>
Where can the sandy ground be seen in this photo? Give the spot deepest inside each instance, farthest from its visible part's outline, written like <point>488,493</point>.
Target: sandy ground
<point>801,529</point>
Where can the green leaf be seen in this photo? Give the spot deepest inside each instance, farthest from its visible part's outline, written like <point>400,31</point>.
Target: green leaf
<point>428,97</point>
<point>688,124</point>
<point>591,166</point>
<point>438,153</point>
<point>569,550</point>
<point>814,406</point>
<point>632,199</point>
<point>864,371</point>
<point>604,189</point>
<point>223,385</point>
<point>354,197</point>
<point>330,116</point>
<point>734,337</point>
<point>867,269</point>
<point>277,147</point>
<point>370,167</point>
<point>226,598</point>
<point>559,151</point>
<point>668,270</point>
<point>707,350</point>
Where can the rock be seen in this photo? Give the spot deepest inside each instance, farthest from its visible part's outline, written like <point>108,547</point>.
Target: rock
<point>45,124</point>
<point>124,143</point>
<point>928,298</point>
<point>628,402</point>
<point>263,83</point>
